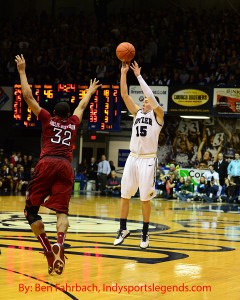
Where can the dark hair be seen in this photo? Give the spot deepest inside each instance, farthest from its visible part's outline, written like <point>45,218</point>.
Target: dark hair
<point>62,109</point>
<point>210,154</point>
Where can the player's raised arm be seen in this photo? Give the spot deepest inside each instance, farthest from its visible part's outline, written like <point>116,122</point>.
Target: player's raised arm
<point>26,90</point>
<point>84,102</point>
<point>148,93</point>
<point>131,106</point>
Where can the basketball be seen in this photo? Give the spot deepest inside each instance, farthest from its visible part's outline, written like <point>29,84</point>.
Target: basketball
<point>125,52</point>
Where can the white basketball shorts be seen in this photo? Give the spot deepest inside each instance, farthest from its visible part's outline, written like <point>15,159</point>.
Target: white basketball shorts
<point>139,173</point>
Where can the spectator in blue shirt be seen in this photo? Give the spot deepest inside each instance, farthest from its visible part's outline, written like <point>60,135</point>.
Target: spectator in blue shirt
<point>103,170</point>
<point>234,169</point>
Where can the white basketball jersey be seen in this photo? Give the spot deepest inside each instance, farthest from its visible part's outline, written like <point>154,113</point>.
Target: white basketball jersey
<point>145,132</point>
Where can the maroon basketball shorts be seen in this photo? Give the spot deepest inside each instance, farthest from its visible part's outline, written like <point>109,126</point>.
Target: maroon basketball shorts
<point>51,185</point>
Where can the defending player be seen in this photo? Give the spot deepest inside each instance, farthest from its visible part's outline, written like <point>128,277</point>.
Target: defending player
<point>53,177</point>
<point>139,171</point>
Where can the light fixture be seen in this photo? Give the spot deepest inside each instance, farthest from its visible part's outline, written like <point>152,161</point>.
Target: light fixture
<point>124,111</point>
<point>195,117</point>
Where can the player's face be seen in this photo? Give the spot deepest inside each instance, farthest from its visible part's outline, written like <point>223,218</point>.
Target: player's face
<point>146,105</point>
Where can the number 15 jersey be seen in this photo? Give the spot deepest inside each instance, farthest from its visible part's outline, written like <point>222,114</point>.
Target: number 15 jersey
<point>58,135</point>
<point>145,133</point>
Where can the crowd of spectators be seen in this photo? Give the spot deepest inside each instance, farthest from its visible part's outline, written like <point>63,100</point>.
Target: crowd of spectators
<point>15,171</point>
<point>98,175</point>
<point>174,47</point>
<point>219,182</point>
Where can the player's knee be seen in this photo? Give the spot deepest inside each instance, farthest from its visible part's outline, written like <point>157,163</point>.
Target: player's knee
<point>31,214</point>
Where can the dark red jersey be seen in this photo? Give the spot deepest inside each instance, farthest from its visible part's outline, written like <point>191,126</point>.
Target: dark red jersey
<point>58,135</point>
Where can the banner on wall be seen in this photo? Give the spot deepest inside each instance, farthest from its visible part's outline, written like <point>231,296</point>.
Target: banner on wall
<point>226,102</point>
<point>190,101</point>
<point>160,92</point>
<point>6,98</point>
<point>122,157</point>
<point>194,173</point>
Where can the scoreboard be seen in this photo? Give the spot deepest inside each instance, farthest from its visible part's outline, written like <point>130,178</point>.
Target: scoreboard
<point>104,106</point>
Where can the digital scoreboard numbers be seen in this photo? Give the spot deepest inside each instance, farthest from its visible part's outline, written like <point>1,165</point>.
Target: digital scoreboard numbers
<point>104,107</point>
<point>67,93</point>
<point>22,114</point>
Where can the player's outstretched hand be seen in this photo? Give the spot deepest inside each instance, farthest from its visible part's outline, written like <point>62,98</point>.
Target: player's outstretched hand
<point>94,86</point>
<point>136,69</point>
<point>125,67</point>
<point>21,64</point>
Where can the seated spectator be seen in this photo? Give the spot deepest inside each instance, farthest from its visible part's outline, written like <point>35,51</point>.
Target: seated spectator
<point>82,178</point>
<point>113,186</point>
<point>159,171</point>
<point>211,191</point>
<point>231,191</point>
<point>15,180</point>
<point>171,183</point>
<point>211,175</point>
<point>190,178</point>
<point>201,189</point>
<point>160,186</point>
<point>23,179</point>
<point>173,170</point>
<point>186,191</point>
<point>5,178</point>
<point>179,183</point>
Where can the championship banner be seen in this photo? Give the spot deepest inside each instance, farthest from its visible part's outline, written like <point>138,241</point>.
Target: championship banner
<point>226,102</point>
<point>190,101</point>
<point>160,92</point>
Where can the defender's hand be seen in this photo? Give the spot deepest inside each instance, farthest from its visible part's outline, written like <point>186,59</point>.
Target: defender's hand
<point>21,64</point>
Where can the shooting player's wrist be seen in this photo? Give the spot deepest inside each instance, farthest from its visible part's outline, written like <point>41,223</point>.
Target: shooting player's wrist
<point>148,92</point>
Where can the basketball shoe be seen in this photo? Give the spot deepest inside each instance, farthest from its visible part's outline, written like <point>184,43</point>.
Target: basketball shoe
<point>121,235</point>
<point>144,241</point>
<point>59,260</point>
<point>50,259</point>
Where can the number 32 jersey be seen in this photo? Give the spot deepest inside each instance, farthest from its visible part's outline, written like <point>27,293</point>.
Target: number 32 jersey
<point>145,133</point>
<point>58,135</point>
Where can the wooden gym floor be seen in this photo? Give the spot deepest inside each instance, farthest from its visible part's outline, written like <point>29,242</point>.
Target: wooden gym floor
<point>193,254</point>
